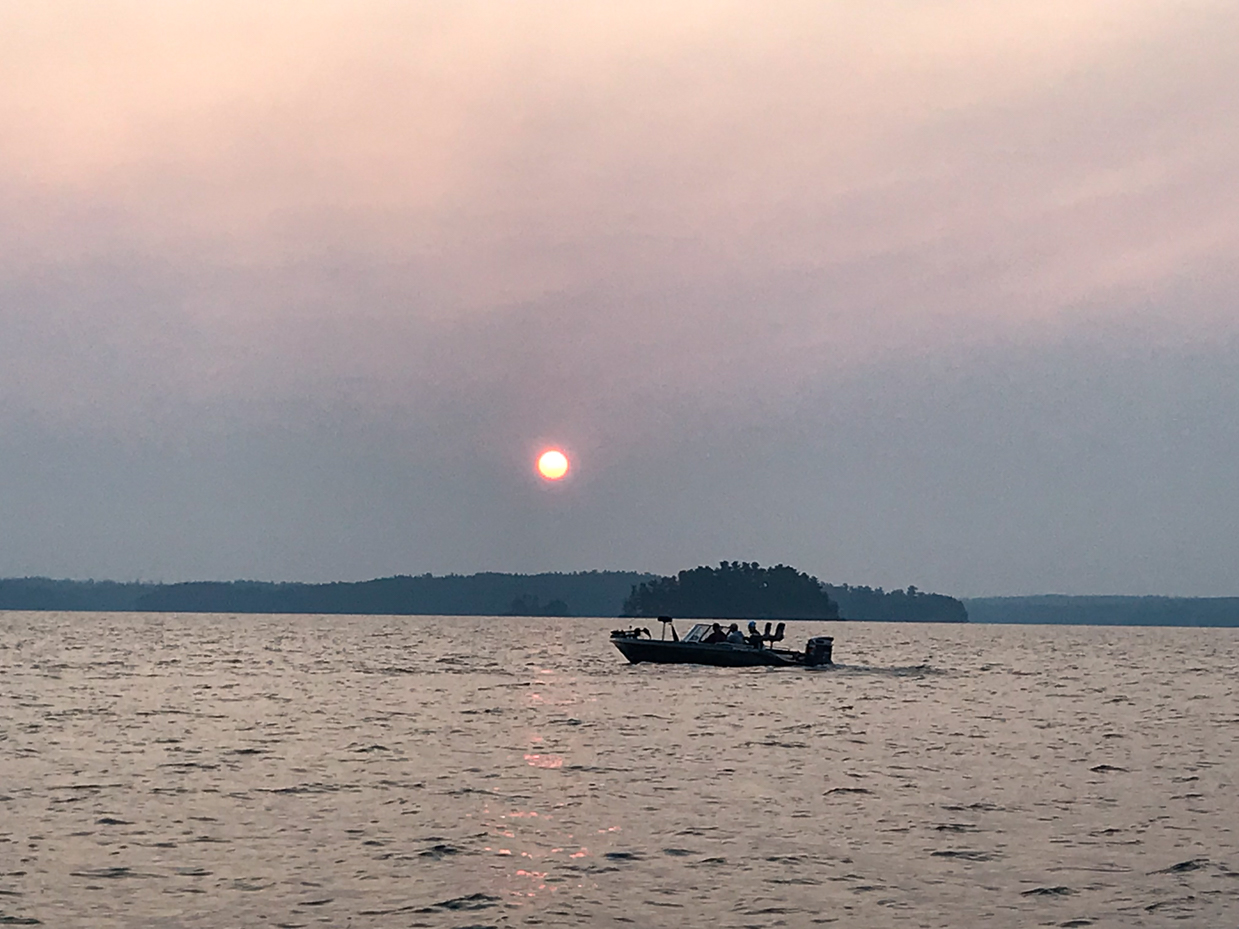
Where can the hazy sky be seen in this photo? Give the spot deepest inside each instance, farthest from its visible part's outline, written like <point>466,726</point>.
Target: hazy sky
<point>933,292</point>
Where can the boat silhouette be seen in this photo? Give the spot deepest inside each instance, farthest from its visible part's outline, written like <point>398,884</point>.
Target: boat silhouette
<point>758,649</point>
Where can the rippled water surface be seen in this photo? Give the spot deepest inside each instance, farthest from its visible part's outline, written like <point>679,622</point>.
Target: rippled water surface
<point>191,770</point>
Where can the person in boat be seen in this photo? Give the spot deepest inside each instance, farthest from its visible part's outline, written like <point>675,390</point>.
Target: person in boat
<point>735,636</point>
<point>755,638</point>
<point>715,635</point>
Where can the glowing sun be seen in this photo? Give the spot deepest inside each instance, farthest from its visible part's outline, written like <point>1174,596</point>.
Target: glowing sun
<point>553,464</point>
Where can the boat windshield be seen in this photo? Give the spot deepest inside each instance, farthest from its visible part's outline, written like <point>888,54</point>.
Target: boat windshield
<point>697,633</point>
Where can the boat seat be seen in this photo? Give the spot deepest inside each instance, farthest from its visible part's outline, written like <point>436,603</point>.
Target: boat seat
<point>778,633</point>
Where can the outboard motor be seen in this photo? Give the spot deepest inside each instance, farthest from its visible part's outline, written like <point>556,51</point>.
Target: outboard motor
<point>817,651</point>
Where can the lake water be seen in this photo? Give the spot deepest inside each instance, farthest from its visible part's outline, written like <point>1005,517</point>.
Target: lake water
<point>196,770</point>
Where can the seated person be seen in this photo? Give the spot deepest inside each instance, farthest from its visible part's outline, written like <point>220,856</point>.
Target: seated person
<point>735,636</point>
<point>754,637</point>
<point>715,635</point>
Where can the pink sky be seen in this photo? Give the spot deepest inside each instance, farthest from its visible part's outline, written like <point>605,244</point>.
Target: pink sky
<point>593,223</point>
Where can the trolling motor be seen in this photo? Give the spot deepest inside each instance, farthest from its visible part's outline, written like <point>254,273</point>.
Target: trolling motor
<point>635,633</point>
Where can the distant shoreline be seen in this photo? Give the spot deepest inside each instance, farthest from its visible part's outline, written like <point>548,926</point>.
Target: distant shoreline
<point>1067,610</point>
<point>580,594</point>
<point>583,594</point>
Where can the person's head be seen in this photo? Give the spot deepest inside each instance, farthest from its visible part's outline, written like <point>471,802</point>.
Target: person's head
<point>733,628</point>
<point>718,628</point>
<point>752,626</point>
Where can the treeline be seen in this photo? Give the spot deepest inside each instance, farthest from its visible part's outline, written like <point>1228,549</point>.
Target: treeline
<point>586,593</point>
<point>42,593</point>
<point>734,590</point>
<point>740,590</point>
<point>909,606</point>
<point>1107,611</point>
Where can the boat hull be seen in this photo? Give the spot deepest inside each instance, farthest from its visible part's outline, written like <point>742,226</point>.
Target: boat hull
<point>721,655</point>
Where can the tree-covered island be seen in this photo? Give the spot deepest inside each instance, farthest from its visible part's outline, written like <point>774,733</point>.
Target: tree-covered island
<point>746,590</point>
<point>734,590</point>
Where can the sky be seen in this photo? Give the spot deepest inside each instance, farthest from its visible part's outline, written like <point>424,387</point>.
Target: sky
<point>931,292</point>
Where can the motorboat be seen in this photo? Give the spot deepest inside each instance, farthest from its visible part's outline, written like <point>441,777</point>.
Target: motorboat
<point>758,649</point>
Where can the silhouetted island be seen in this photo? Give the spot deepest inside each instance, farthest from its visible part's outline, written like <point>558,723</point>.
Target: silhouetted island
<point>874,604</point>
<point>733,590</point>
<point>743,590</point>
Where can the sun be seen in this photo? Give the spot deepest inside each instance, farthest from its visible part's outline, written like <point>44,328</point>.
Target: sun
<point>553,464</point>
